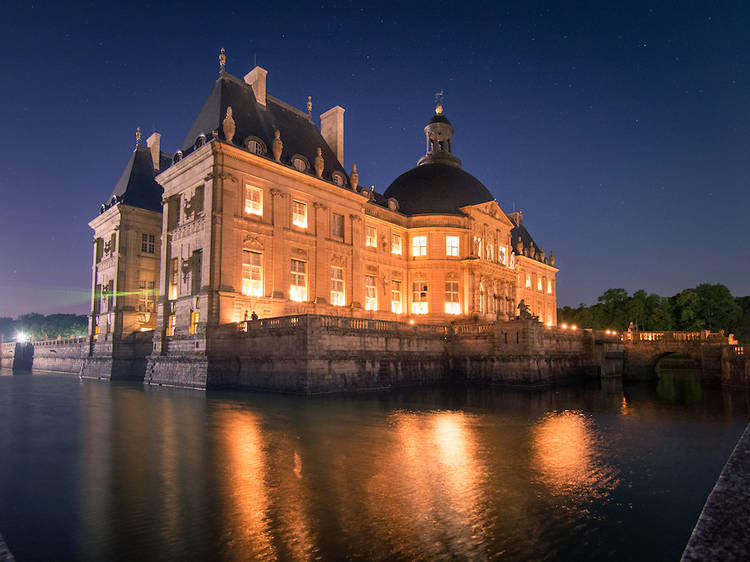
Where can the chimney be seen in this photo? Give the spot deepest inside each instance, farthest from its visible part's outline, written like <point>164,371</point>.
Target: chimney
<point>154,145</point>
<point>256,78</point>
<point>332,129</point>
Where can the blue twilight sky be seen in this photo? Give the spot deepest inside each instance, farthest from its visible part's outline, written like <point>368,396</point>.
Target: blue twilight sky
<point>620,128</point>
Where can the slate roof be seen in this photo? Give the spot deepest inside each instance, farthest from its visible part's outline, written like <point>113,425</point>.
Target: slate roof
<point>137,186</point>
<point>437,189</point>
<point>298,132</point>
<point>520,230</point>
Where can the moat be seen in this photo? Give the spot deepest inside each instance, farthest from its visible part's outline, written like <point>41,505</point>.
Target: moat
<point>93,470</point>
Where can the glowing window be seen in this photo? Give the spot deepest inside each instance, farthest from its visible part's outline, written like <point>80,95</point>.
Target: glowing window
<point>252,274</point>
<point>452,306</point>
<point>174,278</point>
<point>171,323</point>
<point>337,286</point>
<point>298,289</point>
<point>419,246</point>
<point>539,284</point>
<point>451,246</point>
<point>195,317</point>
<point>396,306</point>
<point>371,237</point>
<point>419,297</point>
<point>528,280</point>
<point>396,244</point>
<point>299,214</point>
<point>253,200</point>
<point>549,286</point>
<point>371,296</point>
<point>146,296</point>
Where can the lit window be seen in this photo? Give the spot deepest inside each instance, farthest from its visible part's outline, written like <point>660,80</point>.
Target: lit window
<point>252,274</point>
<point>396,306</point>
<point>451,246</point>
<point>96,332</point>
<point>194,319</point>
<point>171,323</point>
<point>502,257</point>
<point>371,237</point>
<point>419,246</point>
<point>549,286</point>
<point>539,284</point>
<point>528,280</point>
<point>396,244</point>
<point>253,200</point>
<point>419,297</point>
<point>147,243</point>
<point>299,214</point>
<point>298,289</point>
<point>337,286</point>
<point>452,306</point>
<point>337,225</point>
<point>146,296</point>
<point>371,296</point>
<point>174,279</point>
<point>549,319</point>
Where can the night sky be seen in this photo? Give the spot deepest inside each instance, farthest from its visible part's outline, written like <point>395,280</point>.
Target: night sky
<point>620,129</point>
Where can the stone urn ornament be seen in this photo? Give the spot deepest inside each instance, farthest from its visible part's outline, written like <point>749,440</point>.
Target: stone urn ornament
<point>552,258</point>
<point>228,125</point>
<point>277,146</point>
<point>354,178</point>
<point>519,246</point>
<point>319,164</point>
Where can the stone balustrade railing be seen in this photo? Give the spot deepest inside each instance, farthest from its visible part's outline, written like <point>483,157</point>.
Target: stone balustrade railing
<point>339,322</point>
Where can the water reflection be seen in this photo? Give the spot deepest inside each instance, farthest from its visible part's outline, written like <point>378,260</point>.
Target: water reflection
<point>568,456</point>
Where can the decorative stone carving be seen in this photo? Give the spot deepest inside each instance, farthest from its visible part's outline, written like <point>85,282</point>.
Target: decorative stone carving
<point>541,254</point>
<point>276,192</point>
<point>277,145</point>
<point>192,205</point>
<point>222,61</point>
<point>252,243</point>
<point>229,126</point>
<point>319,205</point>
<point>392,204</point>
<point>371,268</point>
<point>519,246</point>
<point>319,164</point>
<point>338,259</point>
<point>299,252</point>
<point>532,250</point>
<point>354,178</point>
<point>552,258</point>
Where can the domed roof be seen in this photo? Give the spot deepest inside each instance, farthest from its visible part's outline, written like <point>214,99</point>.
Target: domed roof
<point>437,188</point>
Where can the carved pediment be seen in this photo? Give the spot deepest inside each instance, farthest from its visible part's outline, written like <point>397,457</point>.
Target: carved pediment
<point>252,243</point>
<point>371,269</point>
<point>338,260</point>
<point>299,252</point>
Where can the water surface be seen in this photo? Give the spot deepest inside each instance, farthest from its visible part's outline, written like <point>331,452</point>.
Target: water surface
<point>96,471</point>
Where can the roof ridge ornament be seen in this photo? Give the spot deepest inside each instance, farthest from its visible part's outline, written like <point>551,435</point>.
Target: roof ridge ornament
<point>137,137</point>
<point>439,102</point>
<point>309,106</point>
<point>354,178</point>
<point>277,146</point>
<point>222,61</point>
<point>229,126</point>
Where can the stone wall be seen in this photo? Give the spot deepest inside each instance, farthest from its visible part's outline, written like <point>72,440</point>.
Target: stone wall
<point>64,356</point>
<point>735,369</point>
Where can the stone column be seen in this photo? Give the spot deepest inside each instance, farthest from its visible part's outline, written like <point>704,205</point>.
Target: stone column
<point>319,276</point>
<point>357,281</point>
<point>276,260</point>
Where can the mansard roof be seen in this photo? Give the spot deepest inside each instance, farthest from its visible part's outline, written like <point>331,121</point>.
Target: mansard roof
<point>520,230</point>
<point>298,132</point>
<point>137,186</point>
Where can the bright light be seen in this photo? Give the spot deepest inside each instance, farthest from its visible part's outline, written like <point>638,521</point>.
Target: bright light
<point>549,324</point>
<point>614,333</point>
<point>21,337</point>
<point>574,327</point>
<point>564,326</point>
<point>411,321</point>
<point>608,332</point>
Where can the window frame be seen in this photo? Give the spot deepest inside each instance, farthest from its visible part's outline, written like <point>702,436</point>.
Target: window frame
<point>251,206</point>
<point>338,287</point>
<point>297,292</point>
<point>371,236</point>
<point>452,246</point>
<point>296,220</point>
<point>371,293</point>
<point>253,287</point>
<point>419,246</point>
<point>396,248</point>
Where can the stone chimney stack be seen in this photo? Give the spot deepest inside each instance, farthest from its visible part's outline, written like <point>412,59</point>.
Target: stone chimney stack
<point>256,78</point>
<point>332,129</point>
<point>154,145</point>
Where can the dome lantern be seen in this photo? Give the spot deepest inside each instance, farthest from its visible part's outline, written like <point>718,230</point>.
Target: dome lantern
<point>439,137</point>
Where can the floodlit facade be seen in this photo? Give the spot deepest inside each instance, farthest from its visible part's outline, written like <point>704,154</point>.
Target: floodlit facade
<point>256,214</point>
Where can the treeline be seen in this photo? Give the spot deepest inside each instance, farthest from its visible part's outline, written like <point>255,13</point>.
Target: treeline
<point>39,326</point>
<point>705,307</point>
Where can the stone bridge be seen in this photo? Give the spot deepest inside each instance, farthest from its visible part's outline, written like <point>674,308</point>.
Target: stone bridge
<point>644,351</point>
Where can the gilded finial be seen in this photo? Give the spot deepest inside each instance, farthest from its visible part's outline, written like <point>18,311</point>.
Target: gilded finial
<point>137,137</point>
<point>439,103</point>
<point>309,106</point>
<point>222,60</point>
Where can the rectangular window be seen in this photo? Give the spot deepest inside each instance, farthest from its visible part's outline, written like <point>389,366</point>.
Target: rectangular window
<point>253,200</point>
<point>299,214</point>
<point>419,246</point>
<point>298,289</point>
<point>337,225</point>
<point>452,306</point>
<point>174,278</point>
<point>539,284</point>
<point>252,273</point>
<point>549,286</point>
<point>396,306</point>
<point>338,298</point>
<point>396,244</point>
<point>528,280</point>
<point>451,246</point>
<point>419,297</point>
<point>148,242</point>
<point>371,237</point>
<point>146,296</point>
<point>171,323</point>
<point>195,317</point>
<point>371,296</point>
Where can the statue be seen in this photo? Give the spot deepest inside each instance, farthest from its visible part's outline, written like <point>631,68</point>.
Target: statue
<point>228,125</point>
<point>523,310</point>
<point>354,178</point>
<point>277,145</point>
<point>319,164</point>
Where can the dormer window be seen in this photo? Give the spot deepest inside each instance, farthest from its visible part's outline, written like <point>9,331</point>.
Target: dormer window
<point>300,163</point>
<point>200,141</point>
<point>338,179</point>
<point>255,145</point>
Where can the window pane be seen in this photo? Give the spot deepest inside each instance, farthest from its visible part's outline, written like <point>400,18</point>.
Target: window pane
<point>253,200</point>
<point>299,214</point>
<point>371,298</point>
<point>396,244</point>
<point>451,246</point>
